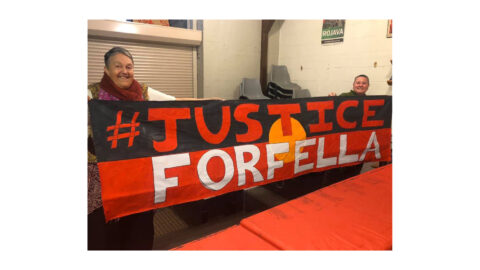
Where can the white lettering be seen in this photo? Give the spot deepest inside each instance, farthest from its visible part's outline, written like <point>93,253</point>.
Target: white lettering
<point>324,162</point>
<point>242,166</point>
<point>202,169</point>
<point>376,147</point>
<point>160,182</point>
<point>300,156</point>
<point>272,149</point>
<point>342,158</point>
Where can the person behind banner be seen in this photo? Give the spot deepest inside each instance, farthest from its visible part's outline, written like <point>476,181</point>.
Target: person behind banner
<point>118,83</point>
<point>360,88</point>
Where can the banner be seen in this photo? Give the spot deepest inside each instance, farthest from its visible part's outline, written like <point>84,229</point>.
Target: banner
<point>155,154</point>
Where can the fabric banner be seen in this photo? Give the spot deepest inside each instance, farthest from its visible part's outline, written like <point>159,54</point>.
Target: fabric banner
<point>153,154</point>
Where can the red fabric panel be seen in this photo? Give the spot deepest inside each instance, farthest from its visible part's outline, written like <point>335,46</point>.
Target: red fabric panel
<point>128,185</point>
<point>233,238</point>
<point>130,188</point>
<point>355,214</point>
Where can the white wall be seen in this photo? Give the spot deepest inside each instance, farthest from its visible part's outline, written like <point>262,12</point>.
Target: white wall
<point>331,68</point>
<point>231,52</point>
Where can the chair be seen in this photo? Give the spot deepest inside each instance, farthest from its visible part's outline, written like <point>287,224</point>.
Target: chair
<point>302,93</point>
<point>251,89</point>
<point>274,91</point>
<point>280,76</point>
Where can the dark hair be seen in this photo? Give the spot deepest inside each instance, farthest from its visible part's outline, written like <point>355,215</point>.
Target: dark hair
<point>114,51</point>
<point>361,75</point>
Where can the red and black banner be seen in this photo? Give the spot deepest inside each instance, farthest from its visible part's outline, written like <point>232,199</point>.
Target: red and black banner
<point>155,154</point>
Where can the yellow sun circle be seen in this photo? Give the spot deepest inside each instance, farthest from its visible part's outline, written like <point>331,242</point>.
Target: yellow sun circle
<point>276,136</point>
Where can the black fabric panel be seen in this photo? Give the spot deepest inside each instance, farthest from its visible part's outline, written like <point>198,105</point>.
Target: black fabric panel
<point>104,114</point>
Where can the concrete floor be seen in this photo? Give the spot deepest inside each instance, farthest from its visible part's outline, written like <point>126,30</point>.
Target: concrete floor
<point>180,224</point>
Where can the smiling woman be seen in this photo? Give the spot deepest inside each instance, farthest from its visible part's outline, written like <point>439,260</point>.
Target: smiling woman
<point>118,81</point>
<point>135,231</point>
<point>118,84</point>
<point>360,87</point>
<point>120,70</point>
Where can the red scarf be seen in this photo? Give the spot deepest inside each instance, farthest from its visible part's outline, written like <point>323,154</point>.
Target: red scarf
<point>133,93</point>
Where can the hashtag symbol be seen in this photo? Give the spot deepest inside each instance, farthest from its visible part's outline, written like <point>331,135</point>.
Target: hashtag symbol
<point>118,125</point>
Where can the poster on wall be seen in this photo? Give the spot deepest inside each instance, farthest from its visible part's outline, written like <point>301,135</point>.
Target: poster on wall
<point>389,29</point>
<point>332,31</point>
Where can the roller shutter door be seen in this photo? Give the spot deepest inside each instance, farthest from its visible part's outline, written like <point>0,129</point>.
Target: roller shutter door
<point>167,68</point>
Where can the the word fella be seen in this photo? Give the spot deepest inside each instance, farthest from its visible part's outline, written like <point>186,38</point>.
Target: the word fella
<point>261,168</point>
<point>157,154</point>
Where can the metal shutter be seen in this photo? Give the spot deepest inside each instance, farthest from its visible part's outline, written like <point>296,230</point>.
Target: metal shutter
<point>167,68</point>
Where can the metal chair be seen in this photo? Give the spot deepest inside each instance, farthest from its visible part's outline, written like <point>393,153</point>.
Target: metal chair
<point>280,76</point>
<point>302,93</point>
<point>274,91</point>
<point>251,89</point>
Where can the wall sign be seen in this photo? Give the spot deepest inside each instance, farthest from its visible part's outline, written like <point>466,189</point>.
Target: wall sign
<point>333,31</point>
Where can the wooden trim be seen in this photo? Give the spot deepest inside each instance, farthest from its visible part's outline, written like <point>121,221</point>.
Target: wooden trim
<point>195,72</point>
<point>144,32</point>
<point>266,26</point>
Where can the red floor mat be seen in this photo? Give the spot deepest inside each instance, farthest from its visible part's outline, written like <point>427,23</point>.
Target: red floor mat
<point>355,214</point>
<point>233,238</point>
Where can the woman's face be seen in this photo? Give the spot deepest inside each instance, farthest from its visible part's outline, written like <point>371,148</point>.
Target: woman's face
<point>360,86</point>
<point>120,70</point>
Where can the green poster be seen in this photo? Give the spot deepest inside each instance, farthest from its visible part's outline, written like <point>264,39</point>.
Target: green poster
<point>333,31</point>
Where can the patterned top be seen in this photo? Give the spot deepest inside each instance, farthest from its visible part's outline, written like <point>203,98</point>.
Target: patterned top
<point>104,95</point>
<point>94,186</point>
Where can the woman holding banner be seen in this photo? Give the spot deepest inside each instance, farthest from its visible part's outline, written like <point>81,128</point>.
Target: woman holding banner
<point>134,231</point>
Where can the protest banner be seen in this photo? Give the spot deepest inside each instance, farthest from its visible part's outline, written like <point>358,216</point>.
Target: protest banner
<point>154,154</point>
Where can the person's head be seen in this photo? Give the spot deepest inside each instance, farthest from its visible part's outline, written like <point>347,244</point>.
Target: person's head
<point>360,84</point>
<point>119,66</point>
